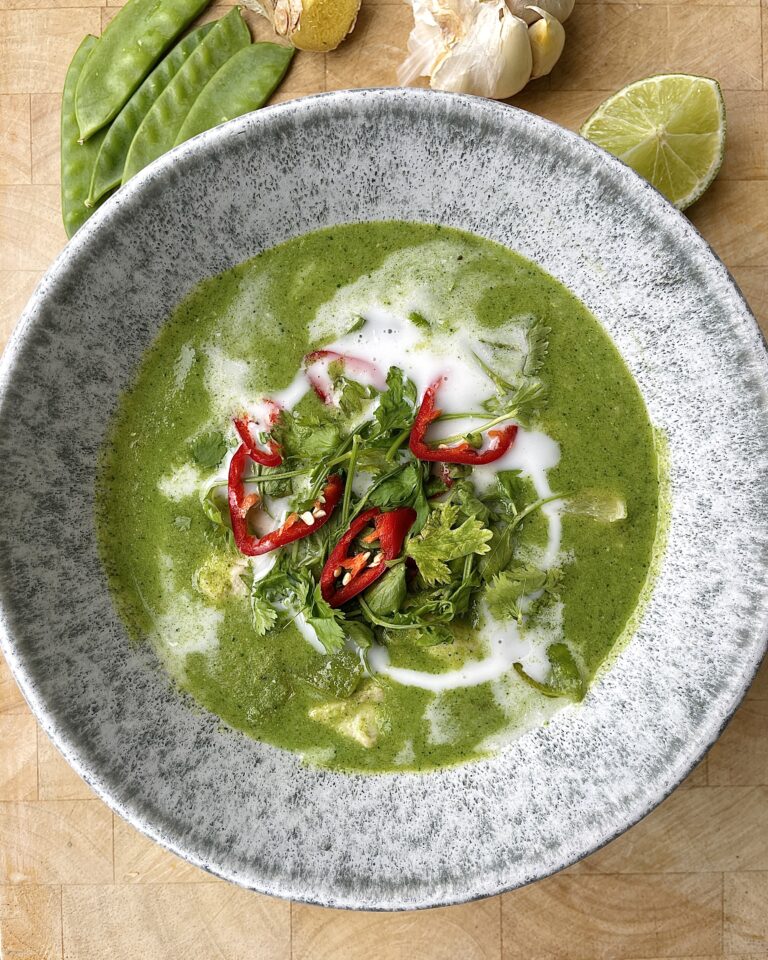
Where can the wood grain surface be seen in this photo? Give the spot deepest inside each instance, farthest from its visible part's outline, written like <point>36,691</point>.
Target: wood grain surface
<point>691,880</point>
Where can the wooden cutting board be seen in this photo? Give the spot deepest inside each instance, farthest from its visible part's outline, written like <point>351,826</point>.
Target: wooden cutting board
<point>689,881</point>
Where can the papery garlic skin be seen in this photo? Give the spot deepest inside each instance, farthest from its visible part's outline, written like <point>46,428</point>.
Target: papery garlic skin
<point>547,39</point>
<point>467,46</point>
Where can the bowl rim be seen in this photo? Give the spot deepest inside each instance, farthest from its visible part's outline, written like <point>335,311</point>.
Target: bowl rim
<point>131,193</point>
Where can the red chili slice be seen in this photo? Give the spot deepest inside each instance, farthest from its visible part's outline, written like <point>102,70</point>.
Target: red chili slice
<point>272,456</point>
<point>501,440</point>
<point>294,527</point>
<point>321,382</point>
<point>390,527</point>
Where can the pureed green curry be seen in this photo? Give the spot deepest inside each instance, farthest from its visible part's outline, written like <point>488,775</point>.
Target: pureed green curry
<point>385,495</point>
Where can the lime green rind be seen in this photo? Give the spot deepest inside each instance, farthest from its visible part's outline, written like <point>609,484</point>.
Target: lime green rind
<point>686,158</point>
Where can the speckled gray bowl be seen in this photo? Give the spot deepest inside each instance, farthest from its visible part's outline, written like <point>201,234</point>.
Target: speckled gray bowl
<point>252,813</point>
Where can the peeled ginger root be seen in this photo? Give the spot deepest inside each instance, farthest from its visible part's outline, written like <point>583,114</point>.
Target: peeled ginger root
<point>315,25</point>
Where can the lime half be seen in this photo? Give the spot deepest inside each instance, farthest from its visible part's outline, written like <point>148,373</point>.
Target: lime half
<point>670,129</point>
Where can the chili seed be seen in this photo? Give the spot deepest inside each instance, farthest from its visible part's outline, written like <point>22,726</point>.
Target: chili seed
<point>337,572</point>
<point>308,518</point>
<point>347,578</point>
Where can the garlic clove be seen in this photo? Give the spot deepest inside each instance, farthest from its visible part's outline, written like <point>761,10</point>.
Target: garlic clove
<point>559,9</point>
<point>520,8</point>
<point>547,39</point>
<point>491,59</point>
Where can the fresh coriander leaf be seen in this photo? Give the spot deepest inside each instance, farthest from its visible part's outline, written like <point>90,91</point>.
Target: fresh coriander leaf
<point>263,614</point>
<point>418,319</point>
<point>399,489</point>
<point>537,337</point>
<point>327,622</point>
<point>182,523</point>
<point>310,442</point>
<point>463,493</point>
<point>396,409</point>
<point>352,396</point>
<point>211,508</point>
<point>502,549</point>
<point>387,595</point>
<point>507,589</point>
<point>208,449</point>
<point>512,490</point>
<point>329,632</point>
<point>519,404</point>
<point>440,542</point>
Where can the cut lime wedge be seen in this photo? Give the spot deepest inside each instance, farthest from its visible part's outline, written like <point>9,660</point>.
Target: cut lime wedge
<point>670,129</point>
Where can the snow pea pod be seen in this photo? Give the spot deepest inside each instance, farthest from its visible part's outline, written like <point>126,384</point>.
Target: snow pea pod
<point>77,159</point>
<point>159,129</point>
<point>245,82</point>
<point>108,169</point>
<point>130,46</point>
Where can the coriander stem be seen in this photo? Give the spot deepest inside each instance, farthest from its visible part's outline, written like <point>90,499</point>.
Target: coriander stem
<point>509,415</point>
<point>398,442</point>
<point>459,416</point>
<point>534,506</point>
<point>351,467</point>
<point>380,622</point>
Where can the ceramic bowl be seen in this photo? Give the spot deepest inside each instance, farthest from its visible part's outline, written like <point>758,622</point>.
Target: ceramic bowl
<point>253,813</point>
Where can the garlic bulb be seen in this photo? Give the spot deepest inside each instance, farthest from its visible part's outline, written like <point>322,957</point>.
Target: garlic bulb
<point>490,48</point>
<point>316,25</point>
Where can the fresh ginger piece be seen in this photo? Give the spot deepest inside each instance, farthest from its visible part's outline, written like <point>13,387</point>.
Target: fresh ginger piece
<point>314,25</point>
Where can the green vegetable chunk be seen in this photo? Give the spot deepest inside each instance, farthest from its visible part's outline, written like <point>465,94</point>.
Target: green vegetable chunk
<point>77,159</point>
<point>162,124</point>
<point>244,83</point>
<point>130,46</point>
<point>110,163</point>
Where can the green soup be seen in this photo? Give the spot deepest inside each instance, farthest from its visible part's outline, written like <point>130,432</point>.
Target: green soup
<point>514,579</point>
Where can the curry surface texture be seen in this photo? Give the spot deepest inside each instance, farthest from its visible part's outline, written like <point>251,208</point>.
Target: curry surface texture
<point>244,335</point>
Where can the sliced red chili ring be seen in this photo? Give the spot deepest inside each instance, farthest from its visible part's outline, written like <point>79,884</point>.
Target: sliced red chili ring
<point>390,527</point>
<point>501,440</point>
<point>272,456</point>
<point>294,528</point>
<point>321,382</point>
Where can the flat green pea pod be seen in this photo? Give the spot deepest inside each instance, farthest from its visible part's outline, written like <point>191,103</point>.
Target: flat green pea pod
<point>130,46</point>
<point>244,83</point>
<point>159,129</point>
<point>77,159</point>
<point>108,170</point>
